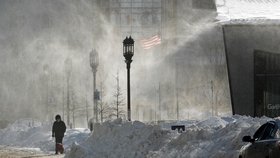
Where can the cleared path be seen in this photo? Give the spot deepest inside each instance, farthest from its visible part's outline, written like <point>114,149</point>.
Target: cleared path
<point>13,152</point>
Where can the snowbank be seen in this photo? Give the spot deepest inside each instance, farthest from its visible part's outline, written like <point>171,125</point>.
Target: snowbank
<point>248,9</point>
<point>212,138</point>
<point>216,137</point>
<point>33,134</point>
<point>121,139</point>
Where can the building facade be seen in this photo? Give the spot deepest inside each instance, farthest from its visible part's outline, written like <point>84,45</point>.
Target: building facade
<point>253,60</point>
<point>138,18</point>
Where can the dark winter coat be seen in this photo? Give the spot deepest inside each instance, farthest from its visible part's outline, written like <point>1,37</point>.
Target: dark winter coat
<point>58,129</point>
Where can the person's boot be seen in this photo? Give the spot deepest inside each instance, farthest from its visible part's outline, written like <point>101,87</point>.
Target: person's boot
<point>62,149</point>
<point>56,152</point>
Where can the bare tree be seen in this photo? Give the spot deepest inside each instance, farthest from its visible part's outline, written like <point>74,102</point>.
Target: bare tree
<point>104,110</point>
<point>118,103</point>
<point>73,107</point>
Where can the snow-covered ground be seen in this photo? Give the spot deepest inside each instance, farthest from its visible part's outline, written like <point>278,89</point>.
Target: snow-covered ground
<point>248,9</point>
<point>12,152</point>
<point>32,134</point>
<point>216,137</point>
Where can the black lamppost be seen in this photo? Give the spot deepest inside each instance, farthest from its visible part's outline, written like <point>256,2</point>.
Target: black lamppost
<point>128,52</point>
<point>68,70</point>
<point>94,61</point>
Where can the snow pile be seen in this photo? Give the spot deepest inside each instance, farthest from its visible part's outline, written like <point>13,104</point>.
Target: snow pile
<point>169,123</point>
<point>121,139</point>
<point>205,139</point>
<point>248,9</point>
<point>214,122</point>
<point>33,134</point>
<point>17,132</point>
<point>216,137</point>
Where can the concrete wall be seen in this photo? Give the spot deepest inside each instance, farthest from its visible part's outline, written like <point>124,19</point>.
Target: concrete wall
<point>240,42</point>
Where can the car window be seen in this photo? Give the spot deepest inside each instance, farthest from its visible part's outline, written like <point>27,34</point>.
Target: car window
<point>259,132</point>
<point>266,131</point>
<point>269,132</point>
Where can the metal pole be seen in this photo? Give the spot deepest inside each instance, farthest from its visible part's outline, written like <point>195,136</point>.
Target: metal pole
<point>48,117</point>
<point>95,99</point>
<point>93,90</point>
<point>73,111</point>
<point>73,118</point>
<point>176,81</point>
<point>212,102</point>
<point>101,102</point>
<point>63,102</point>
<point>155,104</point>
<point>118,91</point>
<point>86,109</point>
<point>128,93</point>
<point>159,102</point>
<point>68,101</point>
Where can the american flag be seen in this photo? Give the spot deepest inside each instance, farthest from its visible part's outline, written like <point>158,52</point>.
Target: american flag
<point>150,42</point>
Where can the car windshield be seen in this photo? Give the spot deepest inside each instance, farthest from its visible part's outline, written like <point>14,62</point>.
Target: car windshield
<point>266,131</point>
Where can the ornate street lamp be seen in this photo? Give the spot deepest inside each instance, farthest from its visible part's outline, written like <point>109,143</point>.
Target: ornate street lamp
<point>128,52</point>
<point>94,62</point>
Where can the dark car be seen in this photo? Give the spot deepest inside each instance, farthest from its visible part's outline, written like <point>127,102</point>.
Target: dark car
<point>265,142</point>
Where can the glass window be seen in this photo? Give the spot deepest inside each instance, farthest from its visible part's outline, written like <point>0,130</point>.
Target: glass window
<point>269,132</point>
<point>259,132</point>
<point>266,131</point>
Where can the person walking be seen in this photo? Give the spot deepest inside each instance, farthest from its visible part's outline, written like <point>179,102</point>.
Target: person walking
<point>58,130</point>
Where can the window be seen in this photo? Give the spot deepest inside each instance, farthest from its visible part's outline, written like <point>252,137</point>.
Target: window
<point>266,131</point>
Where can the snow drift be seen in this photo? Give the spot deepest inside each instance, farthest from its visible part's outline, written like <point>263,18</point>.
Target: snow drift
<point>121,139</point>
<point>216,137</point>
<point>34,134</point>
<point>247,9</point>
